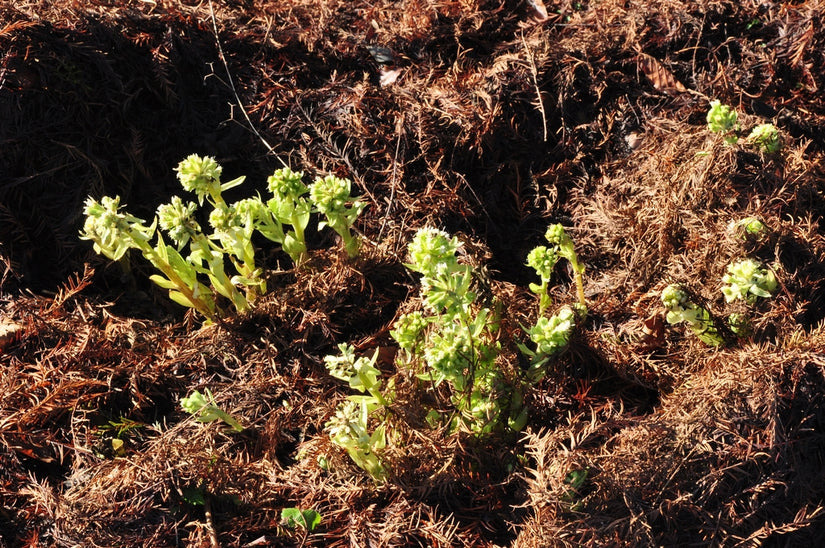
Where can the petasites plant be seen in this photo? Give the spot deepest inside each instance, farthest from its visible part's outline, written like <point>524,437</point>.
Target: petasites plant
<point>748,280</point>
<point>350,427</point>
<point>197,255</point>
<point>551,335</point>
<point>563,246</point>
<point>766,138</point>
<point>723,119</point>
<point>115,232</point>
<point>332,197</point>
<point>455,338</point>
<point>681,309</point>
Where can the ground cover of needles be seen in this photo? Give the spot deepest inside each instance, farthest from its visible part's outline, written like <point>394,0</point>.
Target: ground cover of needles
<point>490,120</point>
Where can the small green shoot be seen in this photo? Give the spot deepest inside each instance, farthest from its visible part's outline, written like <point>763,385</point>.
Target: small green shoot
<point>204,409</point>
<point>295,517</point>
<point>749,228</point>
<point>543,260</point>
<point>766,138</point>
<point>723,119</point>
<point>551,336</point>
<point>681,309</point>
<point>288,206</point>
<point>557,236</point>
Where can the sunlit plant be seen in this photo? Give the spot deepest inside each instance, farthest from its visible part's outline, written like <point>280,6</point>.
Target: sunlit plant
<point>723,119</point>
<point>349,428</point>
<point>543,260</point>
<point>289,206</point>
<point>331,196</point>
<point>114,232</point>
<point>550,337</point>
<point>680,309</point>
<point>455,337</point>
<point>204,409</point>
<point>564,247</point>
<point>749,228</point>
<point>197,255</point>
<point>748,280</point>
<point>766,138</point>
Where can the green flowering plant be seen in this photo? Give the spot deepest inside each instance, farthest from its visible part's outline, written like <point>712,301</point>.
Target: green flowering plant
<point>564,247</point>
<point>204,409</point>
<point>115,232</point>
<point>332,197</point>
<point>543,260</point>
<point>201,175</point>
<point>723,119</point>
<point>550,336</point>
<point>681,309</point>
<point>197,255</point>
<point>455,337</point>
<point>766,138</point>
<point>349,427</point>
<point>288,206</point>
<point>748,280</point>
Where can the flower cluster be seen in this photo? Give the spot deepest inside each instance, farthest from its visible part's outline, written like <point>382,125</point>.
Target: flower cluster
<point>747,280</point>
<point>331,197</point>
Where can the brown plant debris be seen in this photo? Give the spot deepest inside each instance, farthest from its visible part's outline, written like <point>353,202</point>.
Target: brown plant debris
<point>490,119</point>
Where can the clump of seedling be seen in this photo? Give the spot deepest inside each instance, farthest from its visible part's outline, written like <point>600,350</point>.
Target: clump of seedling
<point>282,219</point>
<point>453,341</point>
<point>746,280</point>
<point>681,309</point>
<point>204,409</point>
<point>723,119</point>
<point>456,338</point>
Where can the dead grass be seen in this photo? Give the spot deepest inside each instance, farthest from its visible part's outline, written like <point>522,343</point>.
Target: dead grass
<point>489,119</point>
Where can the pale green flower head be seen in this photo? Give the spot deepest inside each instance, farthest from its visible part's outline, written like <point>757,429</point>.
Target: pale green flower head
<point>194,402</point>
<point>201,175</point>
<point>747,280</point>
<point>331,194</point>
<point>721,118</point>
<point>542,260</point>
<point>766,138</point>
<point>674,297</point>
<point>222,219</point>
<point>551,335</point>
<point>178,219</point>
<point>409,329</point>
<point>285,182</point>
<point>112,231</point>
<point>556,235</point>
<point>432,250</point>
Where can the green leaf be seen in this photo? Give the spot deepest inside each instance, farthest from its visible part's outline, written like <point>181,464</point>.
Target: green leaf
<point>181,299</point>
<point>233,183</point>
<point>295,517</point>
<point>163,282</point>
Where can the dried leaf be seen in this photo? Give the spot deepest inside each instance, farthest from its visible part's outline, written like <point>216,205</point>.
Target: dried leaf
<point>388,76</point>
<point>661,78</point>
